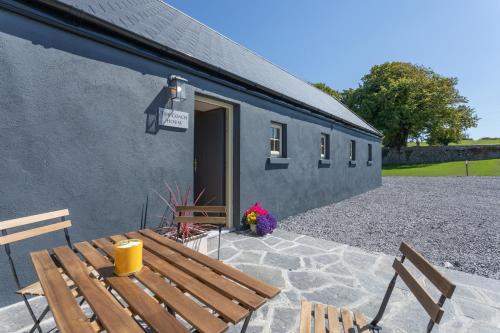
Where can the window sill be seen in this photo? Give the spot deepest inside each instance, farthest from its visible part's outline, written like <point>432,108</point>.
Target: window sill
<point>278,160</point>
<point>369,163</point>
<point>352,164</point>
<point>324,161</point>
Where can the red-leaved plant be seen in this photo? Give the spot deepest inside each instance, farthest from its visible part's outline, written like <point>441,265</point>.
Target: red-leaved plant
<point>180,198</point>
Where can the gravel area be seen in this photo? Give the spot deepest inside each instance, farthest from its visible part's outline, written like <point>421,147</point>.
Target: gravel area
<point>453,221</point>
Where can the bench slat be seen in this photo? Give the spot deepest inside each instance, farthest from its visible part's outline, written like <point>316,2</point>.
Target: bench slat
<point>201,209</point>
<point>64,307</point>
<point>11,238</point>
<point>333,319</point>
<point>361,322</point>
<point>192,312</point>
<point>439,280</point>
<point>222,285</point>
<point>305,317</point>
<point>248,281</point>
<point>200,220</point>
<point>319,318</point>
<point>229,310</point>
<point>433,309</point>
<point>110,314</point>
<point>347,322</point>
<point>33,219</point>
<point>139,302</point>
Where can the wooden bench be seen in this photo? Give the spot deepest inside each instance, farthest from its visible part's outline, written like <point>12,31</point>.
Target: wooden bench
<point>185,214</point>
<point>315,317</point>
<point>34,289</point>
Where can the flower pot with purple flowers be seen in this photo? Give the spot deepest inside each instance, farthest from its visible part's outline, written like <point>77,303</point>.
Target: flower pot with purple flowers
<point>261,222</point>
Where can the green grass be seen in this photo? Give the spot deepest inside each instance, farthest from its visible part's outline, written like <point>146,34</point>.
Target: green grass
<point>495,141</point>
<point>476,168</point>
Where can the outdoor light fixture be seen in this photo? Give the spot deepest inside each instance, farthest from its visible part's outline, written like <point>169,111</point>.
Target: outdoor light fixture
<point>177,87</point>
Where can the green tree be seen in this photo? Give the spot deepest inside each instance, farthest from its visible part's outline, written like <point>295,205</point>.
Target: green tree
<point>407,101</point>
<point>330,91</point>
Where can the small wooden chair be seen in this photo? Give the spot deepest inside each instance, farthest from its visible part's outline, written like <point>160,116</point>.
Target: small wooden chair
<point>220,220</point>
<point>6,239</point>
<point>326,318</point>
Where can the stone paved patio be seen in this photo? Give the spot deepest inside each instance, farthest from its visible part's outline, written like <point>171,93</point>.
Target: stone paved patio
<point>333,273</point>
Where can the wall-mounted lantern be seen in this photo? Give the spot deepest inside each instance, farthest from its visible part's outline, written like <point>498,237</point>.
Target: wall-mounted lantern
<point>177,87</point>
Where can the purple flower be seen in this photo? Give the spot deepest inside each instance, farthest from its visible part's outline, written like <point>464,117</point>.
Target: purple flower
<point>265,224</point>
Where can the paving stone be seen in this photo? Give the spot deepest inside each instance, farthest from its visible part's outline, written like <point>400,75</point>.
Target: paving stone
<point>307,262</point>
<point>338,268</point>
<point>302,250</point>
<point>308,280</point>
<point>270,275</point>
<point>477,310</point>
<point>340,296</point>
<point>225,253</point>
<point>280,233</point>
<point>249,257</point>
<point>317,242</point>
<point>251,244</point>
<point>284,320</point>
<point>284,244</point>
<point>359,260</point>
<point>282,260</point>
<point>483,328</point>
<point>326,259</point>
<point>370,283</point>
<point>293,297</point>
<point>271,240</point>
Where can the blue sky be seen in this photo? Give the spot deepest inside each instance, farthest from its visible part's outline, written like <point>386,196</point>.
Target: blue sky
<point>338,41</point>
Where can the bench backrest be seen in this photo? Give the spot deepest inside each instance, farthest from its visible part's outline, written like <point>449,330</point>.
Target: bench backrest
<point>8,238</point>
<point>185,214</point>
<point>446,287</point>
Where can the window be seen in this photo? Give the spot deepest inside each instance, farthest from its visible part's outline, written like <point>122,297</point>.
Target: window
<point>352,150</point>
<point>324,148</point>
<point>370,152</point>
<point>276,136</point>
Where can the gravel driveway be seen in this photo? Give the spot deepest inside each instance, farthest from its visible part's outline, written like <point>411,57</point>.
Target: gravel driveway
<point>452,220</point>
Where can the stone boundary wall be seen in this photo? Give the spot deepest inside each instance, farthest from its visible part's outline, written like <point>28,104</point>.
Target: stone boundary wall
<point>437,154</point>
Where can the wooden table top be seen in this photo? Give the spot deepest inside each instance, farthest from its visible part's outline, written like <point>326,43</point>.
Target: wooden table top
<point>175,282</point>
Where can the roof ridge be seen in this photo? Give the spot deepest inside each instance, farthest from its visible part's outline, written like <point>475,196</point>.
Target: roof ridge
<point>265,59</point>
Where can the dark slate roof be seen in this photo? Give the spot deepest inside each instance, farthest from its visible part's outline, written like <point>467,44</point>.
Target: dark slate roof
<point>169,27</point>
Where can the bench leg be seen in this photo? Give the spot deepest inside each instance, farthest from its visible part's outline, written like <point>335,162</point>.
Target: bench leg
<point>37,322</point>
<point>245,323</point>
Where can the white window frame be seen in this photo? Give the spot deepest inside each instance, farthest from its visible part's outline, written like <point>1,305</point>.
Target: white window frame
<point>279,127</point>
<point>323,146</point>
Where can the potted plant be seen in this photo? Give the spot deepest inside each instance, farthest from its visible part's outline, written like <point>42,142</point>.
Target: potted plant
<point>193,236</point>
<point>261,222</point>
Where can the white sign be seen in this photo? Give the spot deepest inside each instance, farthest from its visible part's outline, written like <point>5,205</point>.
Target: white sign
<point>172,118</point>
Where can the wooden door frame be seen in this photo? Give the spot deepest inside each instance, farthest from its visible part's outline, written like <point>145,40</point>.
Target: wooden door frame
<point>229,140</point>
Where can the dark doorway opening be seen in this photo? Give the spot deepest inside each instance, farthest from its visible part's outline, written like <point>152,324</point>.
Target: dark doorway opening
<point>210,154</point>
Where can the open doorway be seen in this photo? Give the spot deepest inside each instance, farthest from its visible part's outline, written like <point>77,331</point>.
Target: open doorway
<point>212,165</point>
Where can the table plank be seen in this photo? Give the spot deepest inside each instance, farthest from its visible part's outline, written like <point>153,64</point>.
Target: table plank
<point>223,305</point>
<point>221,284</point>
<point>139,302</point>
<point>67,313</point>
<point>110,314</point>
<point>191,311</point>
<point>305,317</point>
<point>248,281</point>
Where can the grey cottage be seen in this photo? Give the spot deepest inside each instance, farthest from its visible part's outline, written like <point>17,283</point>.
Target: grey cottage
<point>102,102</point>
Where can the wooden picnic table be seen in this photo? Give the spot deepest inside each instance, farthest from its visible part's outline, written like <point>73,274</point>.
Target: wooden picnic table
<point>178,289</point>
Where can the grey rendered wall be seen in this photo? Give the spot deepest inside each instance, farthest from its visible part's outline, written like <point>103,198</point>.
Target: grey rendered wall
<point>302,184</point>
<point>75,132</point>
